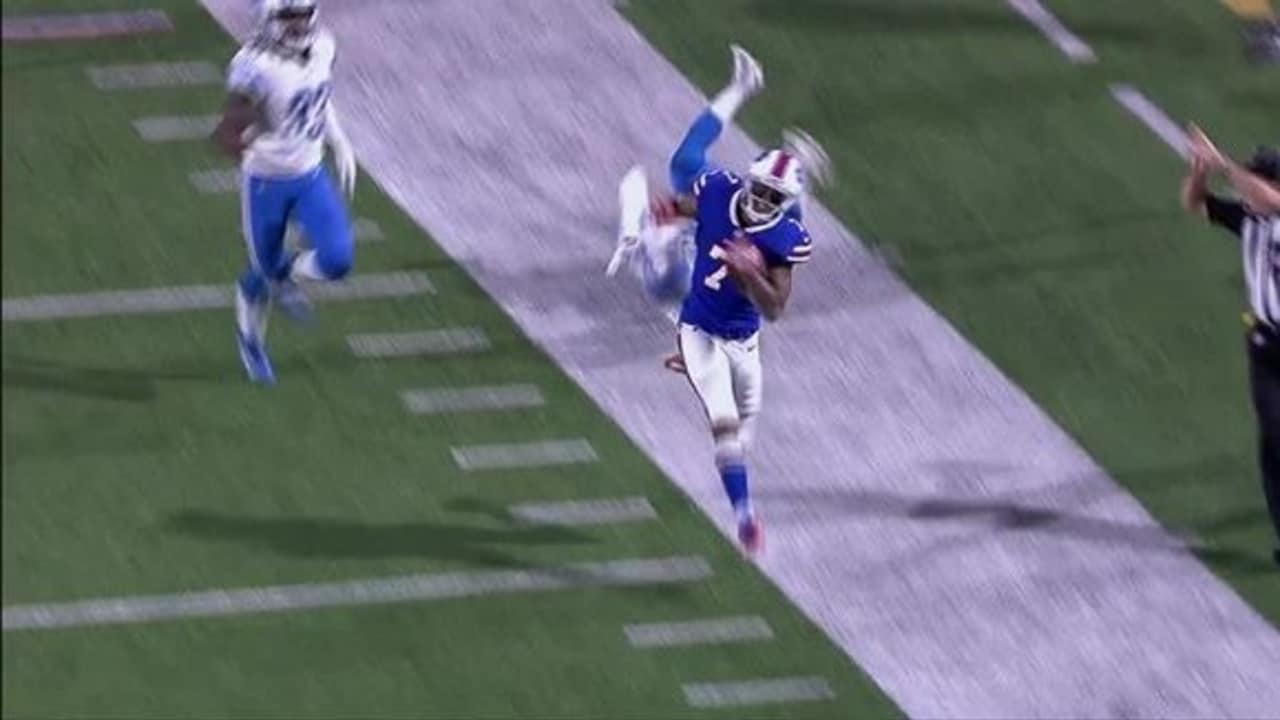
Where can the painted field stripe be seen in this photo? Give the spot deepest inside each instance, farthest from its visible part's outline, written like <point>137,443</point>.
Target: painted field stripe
<point>699,632</point>
<point>170,128</point>
<point>434,401</point>
<point>585,512</point>
<point>1022,644</point>
<point>201,297</point>
<point>410,588</point>
<point>757,692</point>
<point>446,341</point>
<point>523,455</point>
<point>1150,114</point>
<point>154,75</point>
<point>84,26</point>
<point>362,230</point>
<point>1038,15</point>
<point>215,182</point>
<point>367,229</point>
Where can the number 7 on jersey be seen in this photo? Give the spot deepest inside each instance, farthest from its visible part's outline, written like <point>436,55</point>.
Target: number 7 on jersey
<point>714,279</point>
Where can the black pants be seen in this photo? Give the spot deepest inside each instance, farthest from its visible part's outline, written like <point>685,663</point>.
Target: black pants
<point>1264,380</point>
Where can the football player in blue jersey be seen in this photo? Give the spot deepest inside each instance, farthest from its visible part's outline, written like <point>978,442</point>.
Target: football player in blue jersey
<point>729,263</point>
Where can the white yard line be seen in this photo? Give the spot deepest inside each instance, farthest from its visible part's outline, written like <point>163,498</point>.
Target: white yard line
<point>154,75</point>
<point>85,26</point>
<point>510,456</point>
<point>713,631</point>
<point>1038,15</point>
<point>446,341</point>
<point>411,588</point>
<point>363,230</point>
<point>436,401</point>
<point>585,512</point>
<point>896,467</point>
<point>215,182</point>
<point>201,297</point>
<point>763,691</point>
<point>1150,114</point>
<point>171,128</point>
<point>367,230</point>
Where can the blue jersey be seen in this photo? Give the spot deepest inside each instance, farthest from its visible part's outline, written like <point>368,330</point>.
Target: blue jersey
<point>715,303</point>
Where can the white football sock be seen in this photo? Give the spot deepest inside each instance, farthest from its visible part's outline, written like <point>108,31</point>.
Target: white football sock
<point>251,317</point>
<point>727,103</point>
<point>747,433</point>
<point>305,267</point>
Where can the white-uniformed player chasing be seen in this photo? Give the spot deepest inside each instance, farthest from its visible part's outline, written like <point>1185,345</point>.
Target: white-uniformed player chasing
<point>279,115</point>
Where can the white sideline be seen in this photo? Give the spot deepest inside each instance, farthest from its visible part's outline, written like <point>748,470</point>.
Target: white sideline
<point>1077,50</point>
<point>1150,114</point>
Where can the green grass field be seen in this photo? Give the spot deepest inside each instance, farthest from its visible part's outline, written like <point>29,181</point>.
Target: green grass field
<point>1038,216</point>
<point>1031,210</point>
<point>138,460</point>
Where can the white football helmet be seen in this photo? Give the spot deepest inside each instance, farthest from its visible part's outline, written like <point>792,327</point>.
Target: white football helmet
<point>290,24</point>
<point>775,182</point>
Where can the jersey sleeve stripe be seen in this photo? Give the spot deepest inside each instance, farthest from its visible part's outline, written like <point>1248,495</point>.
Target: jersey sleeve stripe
<point>797,259</point>
<point>701,183</point>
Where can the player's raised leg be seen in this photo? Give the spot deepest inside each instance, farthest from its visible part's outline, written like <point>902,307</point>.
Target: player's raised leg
<point>690,158</point>
<point>324,219</point>
<point>264,210</point>
<point>664,265</point>
<point>709,368</point>
<point>633,218</point>
<point>653,248</point>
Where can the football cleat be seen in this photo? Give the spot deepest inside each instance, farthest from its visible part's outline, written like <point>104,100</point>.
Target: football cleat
<point>747,73</point>
<point>750,534</point>
<point>254,357</point>
<point>293,302</point>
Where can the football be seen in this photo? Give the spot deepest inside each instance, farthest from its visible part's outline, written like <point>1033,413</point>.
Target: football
<point>756,257</point>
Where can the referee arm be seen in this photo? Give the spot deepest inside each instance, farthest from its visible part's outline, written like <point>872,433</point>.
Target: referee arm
<point>1195,186</point>
<point>1262,197</point>
<point>1197,199</point>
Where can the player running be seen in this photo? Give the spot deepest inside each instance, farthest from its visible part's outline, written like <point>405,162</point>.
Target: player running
<point>726,268</point>
<point>277,118</point>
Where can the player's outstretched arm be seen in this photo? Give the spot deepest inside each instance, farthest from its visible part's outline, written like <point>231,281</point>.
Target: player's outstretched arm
<point>239,113</point>
<point>1195,187</point>
<point>343,156</point>
<point>1261,195</point>
<point>669,208</point>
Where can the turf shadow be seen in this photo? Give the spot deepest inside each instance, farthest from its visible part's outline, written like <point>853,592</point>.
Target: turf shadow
<point>122,384</point>
<point>334,538</point>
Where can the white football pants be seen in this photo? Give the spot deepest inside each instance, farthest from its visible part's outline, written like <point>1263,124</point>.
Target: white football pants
<point>726,375</point>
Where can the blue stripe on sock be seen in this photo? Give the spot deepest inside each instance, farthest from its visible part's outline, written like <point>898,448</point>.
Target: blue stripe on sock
<point>734,478</point>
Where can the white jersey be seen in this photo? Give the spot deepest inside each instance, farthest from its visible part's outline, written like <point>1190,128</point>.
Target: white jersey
<point>293,94</point>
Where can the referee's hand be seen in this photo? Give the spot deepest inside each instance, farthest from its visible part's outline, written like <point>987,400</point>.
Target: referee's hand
<point>1202,148</point>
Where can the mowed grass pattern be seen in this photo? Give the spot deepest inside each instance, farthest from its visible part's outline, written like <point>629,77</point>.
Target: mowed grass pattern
<point>1038,216</point>
<point>137,460</point>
